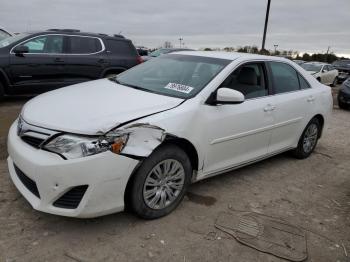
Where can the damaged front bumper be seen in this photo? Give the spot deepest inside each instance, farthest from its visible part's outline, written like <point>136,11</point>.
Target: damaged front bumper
<point>86,187</point>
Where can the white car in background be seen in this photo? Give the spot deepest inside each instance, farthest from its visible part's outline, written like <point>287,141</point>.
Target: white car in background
<point>324,73</point>
<point>142,137</point>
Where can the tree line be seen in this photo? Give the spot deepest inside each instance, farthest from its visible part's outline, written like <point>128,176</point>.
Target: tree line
<point>291,54</point>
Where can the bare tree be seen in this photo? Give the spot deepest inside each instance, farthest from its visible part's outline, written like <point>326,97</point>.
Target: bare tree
<point>168,44</point>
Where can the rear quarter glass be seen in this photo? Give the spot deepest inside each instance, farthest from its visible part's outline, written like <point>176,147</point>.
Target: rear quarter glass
<point>120,47</point>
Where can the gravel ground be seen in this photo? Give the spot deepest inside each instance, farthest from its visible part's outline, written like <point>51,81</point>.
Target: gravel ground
<point>313,194</point>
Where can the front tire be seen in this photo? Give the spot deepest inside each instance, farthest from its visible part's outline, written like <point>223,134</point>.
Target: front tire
<point>308,140</point>
<point>160,183</point>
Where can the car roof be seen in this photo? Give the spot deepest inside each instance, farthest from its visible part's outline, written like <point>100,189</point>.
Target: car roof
<point>78,32</point>
<point>230,55</point>
<point>316,63</point>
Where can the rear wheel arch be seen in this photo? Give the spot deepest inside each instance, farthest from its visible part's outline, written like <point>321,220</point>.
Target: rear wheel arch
<point>4,82</point>
<point>111,71</point>
<point>320,119</point>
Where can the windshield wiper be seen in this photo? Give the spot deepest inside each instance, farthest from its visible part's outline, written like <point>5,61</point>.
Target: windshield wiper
<point>132,86</point>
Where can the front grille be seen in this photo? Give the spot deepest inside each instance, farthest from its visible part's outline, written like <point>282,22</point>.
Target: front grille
<point>27,182</point>
<point>72,198</point>
<point>33,141</point>
<point>33,135</point>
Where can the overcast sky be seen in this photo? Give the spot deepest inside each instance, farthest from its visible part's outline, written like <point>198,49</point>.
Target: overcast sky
<point>303,25</point>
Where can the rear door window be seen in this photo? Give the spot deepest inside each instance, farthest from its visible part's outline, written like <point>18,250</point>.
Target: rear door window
<point>284,77</point>
<point>84,45</point>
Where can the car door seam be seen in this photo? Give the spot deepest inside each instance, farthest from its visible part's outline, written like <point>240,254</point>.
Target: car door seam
<point>255,131</point>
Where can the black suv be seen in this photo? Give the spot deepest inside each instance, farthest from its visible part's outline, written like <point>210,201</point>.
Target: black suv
<point>37,62</point>
<point>343,67</point>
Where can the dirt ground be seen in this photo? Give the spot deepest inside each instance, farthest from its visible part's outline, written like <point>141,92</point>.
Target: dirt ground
<point>313,194</point>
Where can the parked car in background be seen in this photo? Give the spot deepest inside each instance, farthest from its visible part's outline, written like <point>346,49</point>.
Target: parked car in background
<point>343,67</point>
<point>140,138</point>
<point>4,34</point>
<point>344,95</point>
<point>324,73</point>
<point>163,51</point>
<point>142,51</point>
<point>42,61</point>
<point>299,62</point>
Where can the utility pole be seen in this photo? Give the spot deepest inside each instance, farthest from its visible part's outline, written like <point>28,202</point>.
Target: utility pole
<point>327,54</point>
<point>180,39</point>
<point>266,22</point>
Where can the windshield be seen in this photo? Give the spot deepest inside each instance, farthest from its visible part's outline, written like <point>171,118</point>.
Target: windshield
<point>311,67</point>
<point>9,40</point>
<point>342,63</point>
<point>3,34</point>
<point>159,52</point>
<point>181,76</point>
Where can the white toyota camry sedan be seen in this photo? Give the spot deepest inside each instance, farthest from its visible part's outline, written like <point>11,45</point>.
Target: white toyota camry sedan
<point>139,139</point>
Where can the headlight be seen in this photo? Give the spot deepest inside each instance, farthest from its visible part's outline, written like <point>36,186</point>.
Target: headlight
<point>73,146</point>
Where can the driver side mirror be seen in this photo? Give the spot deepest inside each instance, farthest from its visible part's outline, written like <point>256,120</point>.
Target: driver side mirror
<point>21,49</point>
<point>226,96</point>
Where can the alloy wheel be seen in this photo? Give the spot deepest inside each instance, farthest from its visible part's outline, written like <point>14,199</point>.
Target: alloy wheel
<point>163,184</point>
<point>310,138</point>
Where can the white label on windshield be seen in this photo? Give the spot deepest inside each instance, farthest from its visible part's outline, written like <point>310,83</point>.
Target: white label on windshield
<point>179,88</point>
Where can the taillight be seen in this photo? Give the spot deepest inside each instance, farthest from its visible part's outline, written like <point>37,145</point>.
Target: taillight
<point>139,60</point>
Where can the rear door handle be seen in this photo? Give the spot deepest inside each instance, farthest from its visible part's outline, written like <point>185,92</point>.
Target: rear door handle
<point>311,99</point>
<point>59,60</point>
<point>102,61</point>
<point>269,108</point>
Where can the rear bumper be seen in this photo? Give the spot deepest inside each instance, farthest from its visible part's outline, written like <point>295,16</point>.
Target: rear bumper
<point>105,175</point>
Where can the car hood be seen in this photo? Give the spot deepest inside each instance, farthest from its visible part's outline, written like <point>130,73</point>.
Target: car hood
<point>94,107</point>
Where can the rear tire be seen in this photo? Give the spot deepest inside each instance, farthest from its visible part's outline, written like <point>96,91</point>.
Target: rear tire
<point>308,140</point>
<point>2,91</point>
<point>335,81</point>
<point>342,105</point>
<point>161,182</point>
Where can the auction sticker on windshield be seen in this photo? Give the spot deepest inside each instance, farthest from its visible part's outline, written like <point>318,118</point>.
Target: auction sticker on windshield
<point>179,88</point>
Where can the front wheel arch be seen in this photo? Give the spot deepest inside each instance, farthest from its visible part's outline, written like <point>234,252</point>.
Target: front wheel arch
<point>182,143</point>
<point>133,199</point>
